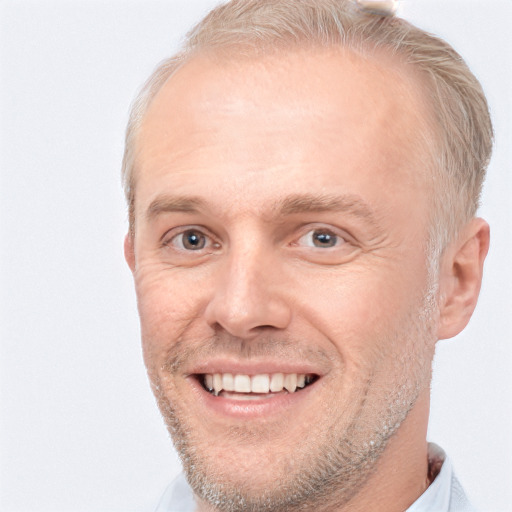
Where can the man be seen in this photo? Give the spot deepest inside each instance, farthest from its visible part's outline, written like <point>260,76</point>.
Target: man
<point>302,182</point>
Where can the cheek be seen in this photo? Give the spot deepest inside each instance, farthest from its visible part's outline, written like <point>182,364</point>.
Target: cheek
<point>167,308</point>
<point>362,311</point>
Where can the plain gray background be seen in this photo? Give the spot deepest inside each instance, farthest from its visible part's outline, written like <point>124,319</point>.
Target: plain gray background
<point>79,430</point>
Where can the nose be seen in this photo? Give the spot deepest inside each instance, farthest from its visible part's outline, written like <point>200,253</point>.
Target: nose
<point>248,296</point>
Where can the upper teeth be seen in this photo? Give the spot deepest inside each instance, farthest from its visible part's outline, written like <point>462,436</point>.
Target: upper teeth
<point>263,383</point>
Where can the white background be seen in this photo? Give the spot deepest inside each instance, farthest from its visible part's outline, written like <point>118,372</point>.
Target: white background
<point>79,430</point>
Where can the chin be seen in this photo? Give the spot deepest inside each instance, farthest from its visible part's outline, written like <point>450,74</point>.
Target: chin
<point>258,468</point>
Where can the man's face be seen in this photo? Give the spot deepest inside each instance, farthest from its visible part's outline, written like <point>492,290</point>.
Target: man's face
<point>281,230</point>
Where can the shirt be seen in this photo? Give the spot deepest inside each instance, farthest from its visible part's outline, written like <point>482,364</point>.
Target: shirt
<point>444,494</point>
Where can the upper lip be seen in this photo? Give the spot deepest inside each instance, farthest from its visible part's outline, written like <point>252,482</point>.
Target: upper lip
<point>256,367</point>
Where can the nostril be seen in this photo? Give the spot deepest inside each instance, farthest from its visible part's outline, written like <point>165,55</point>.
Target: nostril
<point>244,307</point>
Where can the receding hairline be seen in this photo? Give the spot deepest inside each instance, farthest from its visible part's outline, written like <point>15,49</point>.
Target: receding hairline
<point>459,107</point>
<point>230,56</point>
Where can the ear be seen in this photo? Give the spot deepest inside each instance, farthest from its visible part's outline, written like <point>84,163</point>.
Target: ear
<point>129,251</point>
<point>461,277</point>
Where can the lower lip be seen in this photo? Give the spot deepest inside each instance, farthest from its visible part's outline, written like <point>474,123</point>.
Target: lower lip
<point>252,407</point>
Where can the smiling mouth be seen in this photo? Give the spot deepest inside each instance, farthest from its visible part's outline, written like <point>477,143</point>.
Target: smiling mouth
<point>251,387</point>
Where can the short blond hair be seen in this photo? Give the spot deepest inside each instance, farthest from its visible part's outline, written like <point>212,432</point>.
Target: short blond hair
<point>464,130</point>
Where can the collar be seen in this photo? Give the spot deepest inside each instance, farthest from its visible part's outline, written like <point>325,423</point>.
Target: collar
<point>437,495</point>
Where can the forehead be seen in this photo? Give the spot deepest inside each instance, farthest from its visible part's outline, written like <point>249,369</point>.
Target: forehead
<point>294,114</point>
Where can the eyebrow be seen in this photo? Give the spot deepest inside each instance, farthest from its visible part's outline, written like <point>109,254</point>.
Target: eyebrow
<point>304,203</point>
<point>170,204</point>
<point>291,205</point>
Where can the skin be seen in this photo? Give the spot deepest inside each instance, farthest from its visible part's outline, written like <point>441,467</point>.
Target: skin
<point>258,157</point>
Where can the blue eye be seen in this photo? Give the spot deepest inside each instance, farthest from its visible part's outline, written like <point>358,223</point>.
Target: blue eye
<point>320,238</point>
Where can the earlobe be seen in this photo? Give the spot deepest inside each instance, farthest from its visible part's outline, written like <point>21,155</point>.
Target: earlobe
<point>129,251</point>
<point>461,277</point>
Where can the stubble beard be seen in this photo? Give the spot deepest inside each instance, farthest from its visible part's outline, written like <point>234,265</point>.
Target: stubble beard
<point>332,472</point>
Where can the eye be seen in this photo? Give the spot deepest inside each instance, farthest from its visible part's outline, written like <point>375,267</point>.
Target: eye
<point>190,240</point>
<point>321,238</point>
